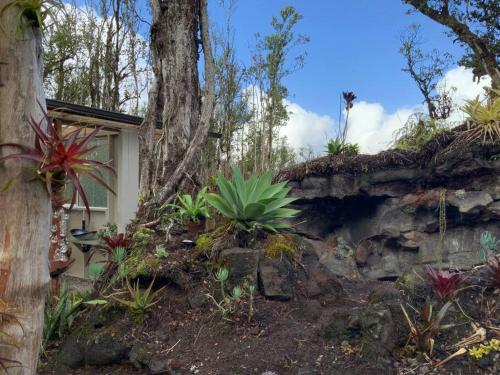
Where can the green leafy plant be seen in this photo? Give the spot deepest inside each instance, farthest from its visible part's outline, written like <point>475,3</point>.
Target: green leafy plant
<point>189,209</point>
<point>140,302</point>
<point>423,334</point>
<point>479,351</point>
<point>255,202</point>
<point>484,118</point>
<point>142,237</point>
<point>335,147</point>
<point>417,131</point>
<point>160,251</point>
<point>96,271</point>
<point>488,244</point>
<point>30,13</point>
<point>251,290</point>
<point>60,314</point>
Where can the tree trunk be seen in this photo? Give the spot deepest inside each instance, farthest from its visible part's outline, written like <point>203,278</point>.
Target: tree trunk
<point>25,206</point>
<point>169,164</point>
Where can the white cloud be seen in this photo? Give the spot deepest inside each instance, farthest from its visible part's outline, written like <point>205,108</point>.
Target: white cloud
<point>371,126</point>
<point>306,128</point>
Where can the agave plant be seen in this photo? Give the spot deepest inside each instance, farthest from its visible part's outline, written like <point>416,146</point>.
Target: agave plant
<point>444,284</point>
<point>140,302</point>
<point>193,210</point>
<point>255,202</point>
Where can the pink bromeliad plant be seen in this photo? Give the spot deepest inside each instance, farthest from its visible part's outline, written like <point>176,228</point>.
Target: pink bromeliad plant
<point>445,285</point>
<point>60,159</point>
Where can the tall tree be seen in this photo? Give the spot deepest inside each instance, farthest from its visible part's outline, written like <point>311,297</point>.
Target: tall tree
<point>95,56</point>
<point>231,109</point>
<point>24,240</point>
<point>426,69</point>
<point>476,24</point>
<point>169,164</point>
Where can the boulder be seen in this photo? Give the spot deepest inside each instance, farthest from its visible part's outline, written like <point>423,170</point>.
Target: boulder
<point>94,349</point>
<point>470,201</point>
<point>276,278</point>
<point>242,263</point>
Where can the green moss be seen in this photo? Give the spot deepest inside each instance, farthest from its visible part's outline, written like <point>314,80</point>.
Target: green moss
<point>205,242</point>
<point>278,245</point>
<point>140,263</point>
<point>478,352</point>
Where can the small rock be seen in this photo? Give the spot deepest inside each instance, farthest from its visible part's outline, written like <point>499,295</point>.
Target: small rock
<point>362,252</point>
<point>276,278</point>
<point>242,263</point>
<point>470,201</point>
<point>197,298</point>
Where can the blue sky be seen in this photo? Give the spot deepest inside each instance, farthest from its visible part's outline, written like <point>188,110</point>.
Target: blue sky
<point>354,46</point>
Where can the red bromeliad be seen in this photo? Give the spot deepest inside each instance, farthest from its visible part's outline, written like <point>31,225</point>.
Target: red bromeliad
<point>118,240</point>
<point>446,285</point>
<point>61,159</point>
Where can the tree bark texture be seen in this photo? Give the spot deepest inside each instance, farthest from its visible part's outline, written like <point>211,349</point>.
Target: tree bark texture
<point>25,206</point>
<point>175,105</point>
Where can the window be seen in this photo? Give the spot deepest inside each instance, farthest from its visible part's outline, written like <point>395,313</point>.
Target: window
<point>97,195</point>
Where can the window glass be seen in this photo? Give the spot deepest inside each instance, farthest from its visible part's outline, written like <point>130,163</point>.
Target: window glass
<point>97,195</point>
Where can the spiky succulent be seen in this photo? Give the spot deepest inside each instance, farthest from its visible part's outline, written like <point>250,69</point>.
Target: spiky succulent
<point>255,202</point>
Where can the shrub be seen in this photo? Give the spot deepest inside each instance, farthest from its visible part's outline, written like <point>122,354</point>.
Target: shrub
<point>484,118</point>
<point>444,284</point>
<point>192,210</point>
<point>255,202</point>
<point>335,146</point>
<point>417,131</point>
<point>140,302</point>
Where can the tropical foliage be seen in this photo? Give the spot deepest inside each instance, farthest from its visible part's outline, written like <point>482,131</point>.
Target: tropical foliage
<point>417,131</point>
<point>140,302</point>
<point>255,202</point>
<point>335,146</point>
<point>484,118</point>
<point>61,159</point>
<point>444,284</point>
<point>190,209</point>
<point>30,13</point>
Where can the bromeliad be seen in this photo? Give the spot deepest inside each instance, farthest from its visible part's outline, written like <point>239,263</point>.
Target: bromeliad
<point>60,160</point>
